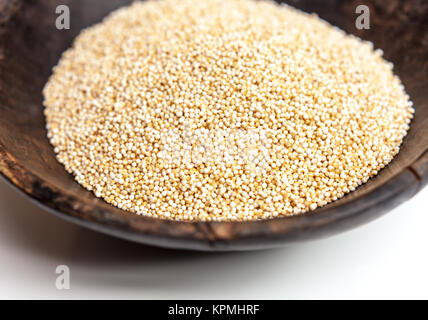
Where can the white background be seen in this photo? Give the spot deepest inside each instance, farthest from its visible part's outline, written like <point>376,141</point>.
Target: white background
<point>387,258</point>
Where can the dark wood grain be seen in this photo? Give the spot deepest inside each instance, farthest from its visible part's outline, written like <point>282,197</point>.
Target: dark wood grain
<point>30,46</point>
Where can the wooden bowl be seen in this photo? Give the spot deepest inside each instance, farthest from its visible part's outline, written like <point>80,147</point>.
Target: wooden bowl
<point>30,45</point>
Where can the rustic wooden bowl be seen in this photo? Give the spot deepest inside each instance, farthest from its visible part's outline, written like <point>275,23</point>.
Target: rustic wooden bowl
<point>30,46</point>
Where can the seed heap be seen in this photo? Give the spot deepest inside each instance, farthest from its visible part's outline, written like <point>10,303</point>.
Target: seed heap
<point>222,110</point>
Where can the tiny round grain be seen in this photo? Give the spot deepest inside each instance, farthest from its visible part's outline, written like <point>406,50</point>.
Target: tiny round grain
<point>222,110</point>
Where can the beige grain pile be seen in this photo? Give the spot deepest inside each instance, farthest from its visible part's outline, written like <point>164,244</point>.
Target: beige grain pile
<point>222,110</point>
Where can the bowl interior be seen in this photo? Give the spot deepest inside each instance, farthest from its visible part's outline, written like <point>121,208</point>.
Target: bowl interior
<point>30,45</point>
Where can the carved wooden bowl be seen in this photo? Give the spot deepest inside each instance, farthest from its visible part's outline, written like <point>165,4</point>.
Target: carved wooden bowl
<point>30,45</point>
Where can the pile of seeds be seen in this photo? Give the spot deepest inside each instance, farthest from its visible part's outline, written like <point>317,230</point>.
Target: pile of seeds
<point>222,110</point>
